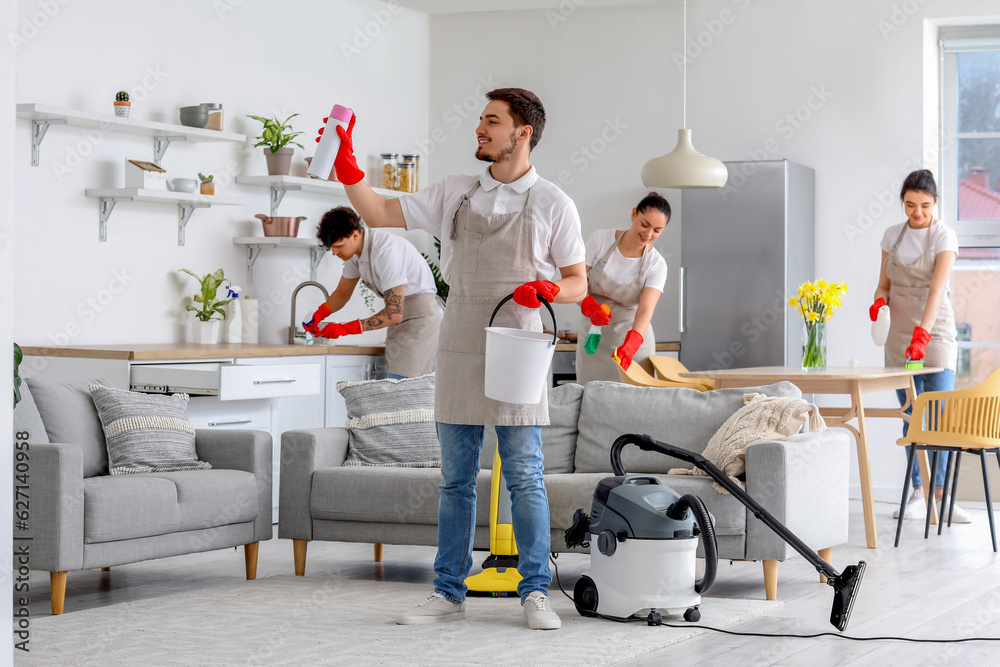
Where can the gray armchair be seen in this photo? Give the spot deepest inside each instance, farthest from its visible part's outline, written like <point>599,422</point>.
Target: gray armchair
<point>81,517</point>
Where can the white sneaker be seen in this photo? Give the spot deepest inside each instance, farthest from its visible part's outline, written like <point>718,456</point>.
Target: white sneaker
<point>958,515</point>
<point>538,612</point>
<point>916,507</point>
<point>434,609</point>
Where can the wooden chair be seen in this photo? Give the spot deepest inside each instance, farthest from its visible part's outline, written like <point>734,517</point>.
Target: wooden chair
<point>959,421</point>
<point>668,368</point>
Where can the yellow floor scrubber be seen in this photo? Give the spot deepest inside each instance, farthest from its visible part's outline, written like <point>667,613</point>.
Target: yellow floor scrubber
<point>499,577</point>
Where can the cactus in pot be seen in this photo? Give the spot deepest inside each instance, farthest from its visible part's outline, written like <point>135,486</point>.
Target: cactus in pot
<point>207,186</point>
<point>122,105</point>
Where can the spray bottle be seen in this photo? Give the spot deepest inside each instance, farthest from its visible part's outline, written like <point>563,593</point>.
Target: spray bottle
<point>594,337</point>
<point>880,327</point>
<point>329,143</point>
<point>234,316</point>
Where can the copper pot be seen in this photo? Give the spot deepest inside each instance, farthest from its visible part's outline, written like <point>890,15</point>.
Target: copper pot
<point>280,226</point>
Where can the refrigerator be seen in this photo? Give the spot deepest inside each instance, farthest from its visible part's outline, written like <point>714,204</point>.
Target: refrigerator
<point>745,249</point>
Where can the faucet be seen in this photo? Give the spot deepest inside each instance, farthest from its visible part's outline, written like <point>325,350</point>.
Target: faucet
<point>295,292</point>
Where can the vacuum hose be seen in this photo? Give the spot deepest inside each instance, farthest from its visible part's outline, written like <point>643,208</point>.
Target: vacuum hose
<point>701,516</point>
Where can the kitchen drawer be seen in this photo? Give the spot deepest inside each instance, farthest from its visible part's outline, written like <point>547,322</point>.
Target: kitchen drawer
<point>209,412</point>
<point>229,381</point>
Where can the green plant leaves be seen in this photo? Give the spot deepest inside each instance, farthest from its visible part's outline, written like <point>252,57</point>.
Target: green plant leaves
<point>276,134</point>
<point>210,305</point>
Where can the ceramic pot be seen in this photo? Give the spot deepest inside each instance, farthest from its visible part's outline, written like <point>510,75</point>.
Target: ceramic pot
<point>279,163</point>
<point>182,185</point>
<point>208,188</point>
<point>122,108</point>
<point>205,333</point>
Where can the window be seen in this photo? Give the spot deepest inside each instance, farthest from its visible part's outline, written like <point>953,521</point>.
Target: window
<point>970,192</point>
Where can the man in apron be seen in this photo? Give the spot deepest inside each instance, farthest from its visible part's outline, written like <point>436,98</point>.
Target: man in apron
<point>392,268</point>
<point>505,231</point>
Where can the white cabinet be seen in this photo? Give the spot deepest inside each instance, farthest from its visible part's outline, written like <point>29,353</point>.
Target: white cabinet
<point>348,368</point>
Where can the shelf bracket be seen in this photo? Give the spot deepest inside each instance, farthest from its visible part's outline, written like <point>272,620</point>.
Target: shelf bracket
<point>107,204</point>
<point>160,145</point>
<point>315,257</point>
<point>253,251</point>
<point>278,193</point>
<point>184,212</point>
<point>38,130</point>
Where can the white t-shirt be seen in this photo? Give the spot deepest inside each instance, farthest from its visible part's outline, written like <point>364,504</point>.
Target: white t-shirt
<point>393,261</point>
<point>622,269</point>
<point>941,237</point>
<point>557,238</point>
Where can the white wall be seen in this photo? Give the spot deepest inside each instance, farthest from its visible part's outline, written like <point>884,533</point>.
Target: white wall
<point>254,57</point>
<point>838,87</point>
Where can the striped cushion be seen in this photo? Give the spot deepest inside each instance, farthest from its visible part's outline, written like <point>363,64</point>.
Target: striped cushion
<point>146,432</point>
<point>391,422</point>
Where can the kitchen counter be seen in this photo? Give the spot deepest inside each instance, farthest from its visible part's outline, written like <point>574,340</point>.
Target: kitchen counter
<point>168,351</point>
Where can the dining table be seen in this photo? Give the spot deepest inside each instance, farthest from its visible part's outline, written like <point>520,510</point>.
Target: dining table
<point>855,382</point>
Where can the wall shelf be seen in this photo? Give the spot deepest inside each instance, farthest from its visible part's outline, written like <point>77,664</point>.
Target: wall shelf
<point>279,185</point>
<point>255,244</point>
<point>43,116</point>
<point>186,203</point>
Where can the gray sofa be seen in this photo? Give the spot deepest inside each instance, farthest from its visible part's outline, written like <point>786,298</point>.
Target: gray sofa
<point>78,516</point>
<point>802,480</point>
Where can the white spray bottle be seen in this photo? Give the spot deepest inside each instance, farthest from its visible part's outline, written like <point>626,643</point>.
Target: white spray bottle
<point>234,316</point>
<point>880,327</point>
<point>329,143</point>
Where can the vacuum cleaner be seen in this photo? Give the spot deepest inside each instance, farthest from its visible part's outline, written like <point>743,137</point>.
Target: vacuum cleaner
<point>499,577</point>
<point>647,542</point>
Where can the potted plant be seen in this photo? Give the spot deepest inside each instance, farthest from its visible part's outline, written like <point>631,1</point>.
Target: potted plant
<point>18,356</point>
<point>205,329</point>
<point>275,138</point>
<point>122,105</point>
<point>207,186</point>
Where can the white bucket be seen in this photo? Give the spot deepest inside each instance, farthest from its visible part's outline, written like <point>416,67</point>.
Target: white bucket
<point>517,364</point>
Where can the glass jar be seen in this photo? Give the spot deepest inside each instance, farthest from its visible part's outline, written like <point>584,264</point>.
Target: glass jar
<point>214,116</point>
<point>415,159</point>
<point>407,177</point>
<point>390,171</point>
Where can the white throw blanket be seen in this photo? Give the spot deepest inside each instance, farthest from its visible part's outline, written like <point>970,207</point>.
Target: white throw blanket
<point>761,418</point>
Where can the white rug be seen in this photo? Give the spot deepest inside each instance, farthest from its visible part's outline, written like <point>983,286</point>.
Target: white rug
<point>300,621</point>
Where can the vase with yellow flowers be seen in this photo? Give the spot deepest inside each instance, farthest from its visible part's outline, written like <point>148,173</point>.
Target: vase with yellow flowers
<point>816,302</point>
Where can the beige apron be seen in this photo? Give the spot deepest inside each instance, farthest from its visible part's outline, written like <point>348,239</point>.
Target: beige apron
<point>623,299</point>
<point>492,256</point>
<point>907,297</point>
<point>410,346</point>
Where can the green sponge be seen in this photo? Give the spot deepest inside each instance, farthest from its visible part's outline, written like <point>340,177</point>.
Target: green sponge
<point>914,365</point>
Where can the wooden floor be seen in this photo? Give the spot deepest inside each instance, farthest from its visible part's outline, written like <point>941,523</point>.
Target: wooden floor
<point>947,586</point>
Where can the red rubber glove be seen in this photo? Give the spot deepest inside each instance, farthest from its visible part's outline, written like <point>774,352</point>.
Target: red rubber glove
<point>633,339</point>
<point>529,294</point>
<point>918,344</point>
<point>337,330</point>
<point>599,314</point>
<point>346,165</point>
<point>323,312</point>
<point>873,311</point>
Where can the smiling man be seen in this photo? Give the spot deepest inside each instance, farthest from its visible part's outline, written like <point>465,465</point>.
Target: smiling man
<point>504,231</point>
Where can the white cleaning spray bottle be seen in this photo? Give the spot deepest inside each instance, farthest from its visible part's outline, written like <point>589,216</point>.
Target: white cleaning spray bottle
<point>880,327</point>
<point>234,316</point>
<point>329,143</point>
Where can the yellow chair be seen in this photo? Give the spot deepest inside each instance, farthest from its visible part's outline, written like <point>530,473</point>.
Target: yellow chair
<point>668,368</point>
<point>638,376</point>
<point>959,421</point>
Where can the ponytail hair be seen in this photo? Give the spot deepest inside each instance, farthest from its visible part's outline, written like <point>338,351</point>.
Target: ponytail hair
<point>656,201</point>
<point>921,180</point>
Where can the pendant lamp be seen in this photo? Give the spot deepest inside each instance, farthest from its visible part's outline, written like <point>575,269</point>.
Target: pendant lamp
<point>684,167</point>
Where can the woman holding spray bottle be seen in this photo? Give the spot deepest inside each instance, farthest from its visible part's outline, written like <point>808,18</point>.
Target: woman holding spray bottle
<point>625,278</point>
<point>917,258</point>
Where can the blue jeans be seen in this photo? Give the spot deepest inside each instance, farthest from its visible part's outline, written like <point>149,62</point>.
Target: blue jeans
<point>394,376</point>
<point>941,381</point>
<point>521,455</point>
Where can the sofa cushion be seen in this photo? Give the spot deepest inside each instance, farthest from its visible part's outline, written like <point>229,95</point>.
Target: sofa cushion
<point>385,495</point>
<point>209,498</point>
<point>559,435</point>
<point>685,418</point>
<point>28,426</point>
<point>146,432</point>
<point>125,508</point>
<point>70,417</point>
<point>391,422</point>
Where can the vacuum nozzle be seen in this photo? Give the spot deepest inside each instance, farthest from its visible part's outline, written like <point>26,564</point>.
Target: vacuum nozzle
<point>845,590</point>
